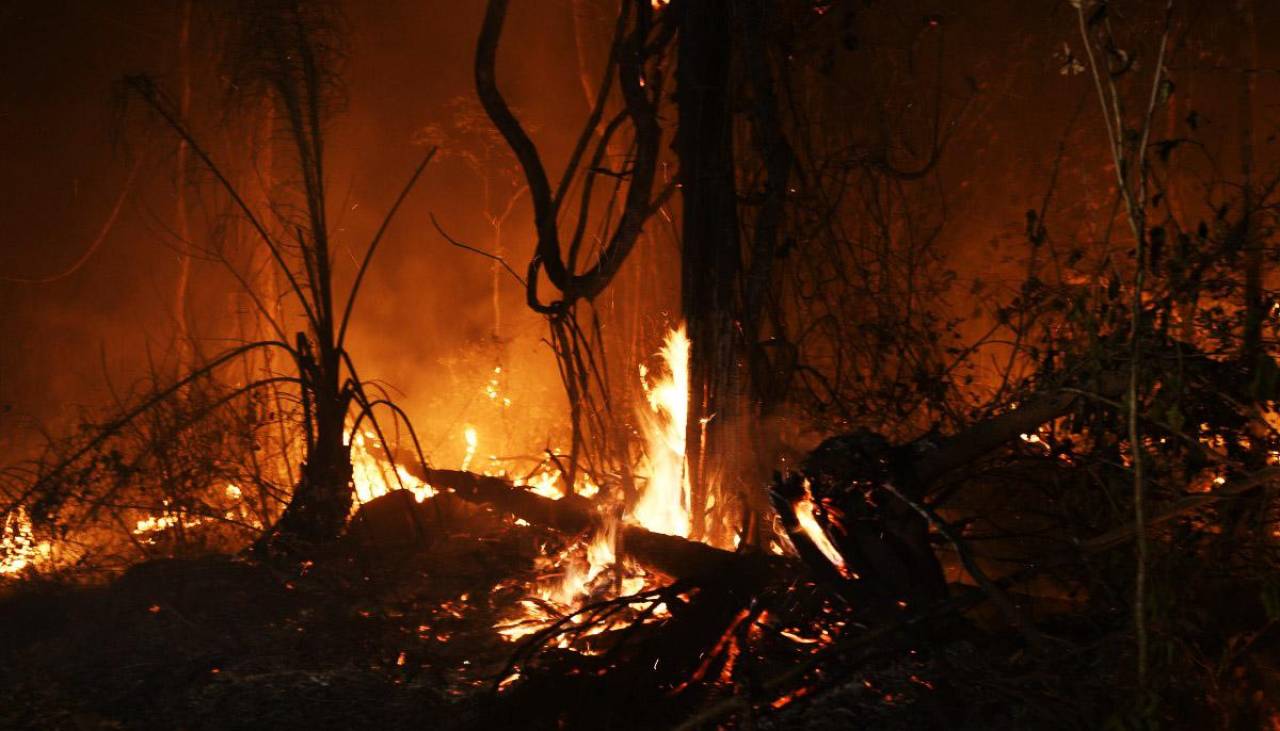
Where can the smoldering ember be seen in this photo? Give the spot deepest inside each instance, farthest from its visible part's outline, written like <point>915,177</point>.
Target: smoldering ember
<point>639,364</point>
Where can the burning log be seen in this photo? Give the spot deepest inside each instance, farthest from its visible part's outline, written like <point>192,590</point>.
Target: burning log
<point>668,554</point>
<point>397,514</point>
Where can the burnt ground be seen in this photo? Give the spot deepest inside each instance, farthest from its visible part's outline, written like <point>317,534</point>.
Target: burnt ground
<point>402,637</point>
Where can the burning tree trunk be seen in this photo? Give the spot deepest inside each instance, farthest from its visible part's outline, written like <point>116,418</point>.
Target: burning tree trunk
<point>710,256</point>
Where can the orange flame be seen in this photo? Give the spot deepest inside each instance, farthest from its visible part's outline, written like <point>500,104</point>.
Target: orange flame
<point>374,477</point>
<point>664,505</point>
<point>18,547</point>
<point>809,524</point>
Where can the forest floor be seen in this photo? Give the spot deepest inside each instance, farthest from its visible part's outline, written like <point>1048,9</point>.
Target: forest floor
<point>406,639</point>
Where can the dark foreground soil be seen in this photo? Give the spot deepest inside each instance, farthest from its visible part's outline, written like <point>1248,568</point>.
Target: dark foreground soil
<point>392,637</point>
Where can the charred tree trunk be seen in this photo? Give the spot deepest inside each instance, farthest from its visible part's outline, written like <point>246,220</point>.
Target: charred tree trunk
<point>710,260</point>
<point>321,500</point>
<point>770,360</point>
<point>297,76</point>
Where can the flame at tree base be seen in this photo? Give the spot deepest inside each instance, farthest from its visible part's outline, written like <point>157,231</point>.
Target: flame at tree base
<point>591,569</point>
<point>664,505</point>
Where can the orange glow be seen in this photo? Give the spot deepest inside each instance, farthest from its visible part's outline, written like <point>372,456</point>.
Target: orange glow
<point>473,439</point>
<point>664,505</point>
<point>809,524</point>
<point>374,477</point>
<point>18,547</point>
<point>580,571</point>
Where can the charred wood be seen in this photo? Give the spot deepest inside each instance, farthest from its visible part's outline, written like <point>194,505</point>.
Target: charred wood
<point>668,554</point>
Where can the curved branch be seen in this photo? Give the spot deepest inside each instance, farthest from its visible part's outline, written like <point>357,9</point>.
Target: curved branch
<point>495,105</point>
<point>93,247</point>
<point>640,107</point>
<point>474,250</point>
<point>373,247</point>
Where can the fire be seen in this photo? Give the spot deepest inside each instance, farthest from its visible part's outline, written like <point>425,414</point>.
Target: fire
<point>573,576</point>
<point>164,521</point>
<point>549,483</point>
<point>373,477</point>
<point>809,524</point>
<point>546,484</point>
<point>664,505</point>
<point>578,573</point>
<point>579,576</point>
<point>472,439</point>
<point>588,569</point>
<point>18,546</point>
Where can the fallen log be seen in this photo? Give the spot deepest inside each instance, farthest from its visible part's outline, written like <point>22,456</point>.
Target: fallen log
<point>671,555</point>
<point>684,559</point>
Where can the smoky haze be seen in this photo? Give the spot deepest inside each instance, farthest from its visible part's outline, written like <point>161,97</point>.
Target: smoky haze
<point>1009,98</point>
<point>81,322</point>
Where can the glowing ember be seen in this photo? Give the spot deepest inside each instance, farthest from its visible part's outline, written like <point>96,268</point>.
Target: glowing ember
<point>664,504</point>
<point>164,521</point>
<point>492,388</point>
